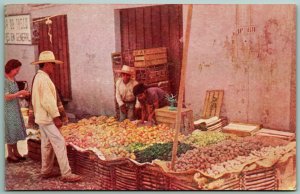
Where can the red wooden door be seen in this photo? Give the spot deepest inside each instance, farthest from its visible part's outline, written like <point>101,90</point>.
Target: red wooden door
<point>155,26</point>
<point>54,37</point>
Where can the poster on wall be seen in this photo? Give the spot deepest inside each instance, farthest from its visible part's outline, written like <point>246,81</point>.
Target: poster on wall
<point>17,29</point>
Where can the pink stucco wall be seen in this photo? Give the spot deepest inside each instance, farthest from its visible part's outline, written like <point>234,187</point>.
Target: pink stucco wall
<point>255,69</point>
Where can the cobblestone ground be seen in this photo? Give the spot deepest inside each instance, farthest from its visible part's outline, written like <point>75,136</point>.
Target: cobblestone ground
<point>26,176</point>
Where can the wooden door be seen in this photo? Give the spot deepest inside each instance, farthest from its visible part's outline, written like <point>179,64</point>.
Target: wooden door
<point>54,37</point>
<point>155,26</point>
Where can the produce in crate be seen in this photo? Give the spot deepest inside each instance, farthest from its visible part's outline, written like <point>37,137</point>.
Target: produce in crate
<point>112,137</point>
<point>161,151</point>
<point>204,158</point>
<point>232,156</point>
<point>203,138</point>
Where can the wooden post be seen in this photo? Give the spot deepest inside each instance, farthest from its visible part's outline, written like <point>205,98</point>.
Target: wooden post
<point>181,85</point>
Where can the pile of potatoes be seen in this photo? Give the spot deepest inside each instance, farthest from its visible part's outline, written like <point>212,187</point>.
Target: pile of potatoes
<point>203,158</point>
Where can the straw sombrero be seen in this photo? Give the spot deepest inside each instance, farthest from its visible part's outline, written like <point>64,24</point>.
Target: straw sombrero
<point>126,69</point>
<point>47,57</point>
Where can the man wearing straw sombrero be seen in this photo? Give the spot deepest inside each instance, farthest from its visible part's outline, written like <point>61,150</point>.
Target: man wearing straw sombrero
<point>47,116</point>
<point>124,93</point>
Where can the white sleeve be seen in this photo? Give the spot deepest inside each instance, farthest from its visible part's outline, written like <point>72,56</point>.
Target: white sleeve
<point>118,95</point>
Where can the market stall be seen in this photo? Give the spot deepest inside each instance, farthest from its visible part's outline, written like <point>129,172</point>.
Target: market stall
<point>123,156</point>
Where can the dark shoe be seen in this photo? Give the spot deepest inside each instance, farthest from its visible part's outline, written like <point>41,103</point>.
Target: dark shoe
<point>10,160</point>
<point>71,178</point>
<point>50,175</point>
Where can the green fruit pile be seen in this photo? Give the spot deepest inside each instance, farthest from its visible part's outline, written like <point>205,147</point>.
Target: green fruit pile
<point>135,147</point>
<point>204,138</point>
<point>161,151</point>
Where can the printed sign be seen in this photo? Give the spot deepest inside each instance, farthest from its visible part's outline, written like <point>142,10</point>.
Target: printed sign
<point>17,29</point>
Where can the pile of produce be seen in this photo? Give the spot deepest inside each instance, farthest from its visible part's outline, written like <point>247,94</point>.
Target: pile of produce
<point>112,137</point>
<point>204,158</point>
<point>162,151</point>
<point>135,147</point>
<point>266,156</point>
<point>203,138</point>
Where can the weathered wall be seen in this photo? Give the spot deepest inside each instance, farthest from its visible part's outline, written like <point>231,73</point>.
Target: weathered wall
<point>253,68</point>
<point>91,31</point>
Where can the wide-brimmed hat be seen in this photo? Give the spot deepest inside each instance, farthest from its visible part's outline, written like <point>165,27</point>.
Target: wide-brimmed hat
<point>126,69</point>
<point>47,57</point>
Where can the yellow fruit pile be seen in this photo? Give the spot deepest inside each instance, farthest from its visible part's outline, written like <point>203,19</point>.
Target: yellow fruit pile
<point>111,137</point>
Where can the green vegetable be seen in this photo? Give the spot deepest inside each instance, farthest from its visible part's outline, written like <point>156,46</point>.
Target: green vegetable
<point>162,151</point>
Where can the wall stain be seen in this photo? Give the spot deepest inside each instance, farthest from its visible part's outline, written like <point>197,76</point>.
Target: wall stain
<point>90,58</point>
<point>24,54</point>
<point>203,64</point>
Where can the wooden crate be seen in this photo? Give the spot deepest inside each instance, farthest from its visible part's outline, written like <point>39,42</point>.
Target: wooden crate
<point>35,153</point>
<point>149,51</point>
<point>212,104</point>
<point>150,57</point>
<point>128,58</point>
<point>104,175</point>
<point>276,133</point>
<point>241,129</point>
<point>71,152</point>
<point>153,74</point>
<point>34,149</point>
<point>233,182</point>
<point>180,185</point>
<point>152,178</point>
<point>85,163</point>
<point>165,116</point>
<point>127,176</point>
<point>116,59</point>
<point>260,179</point>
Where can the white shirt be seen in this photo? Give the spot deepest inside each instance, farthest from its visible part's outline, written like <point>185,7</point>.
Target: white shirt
<point>124,92</point>
<point>44,100</point>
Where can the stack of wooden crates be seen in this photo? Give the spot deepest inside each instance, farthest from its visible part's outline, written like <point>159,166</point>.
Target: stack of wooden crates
<point>151,67</point>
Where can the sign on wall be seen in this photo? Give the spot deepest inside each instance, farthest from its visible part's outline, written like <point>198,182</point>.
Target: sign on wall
<point>17,29</point>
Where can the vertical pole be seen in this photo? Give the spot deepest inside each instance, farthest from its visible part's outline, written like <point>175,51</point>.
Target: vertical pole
<point>181,85</point>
